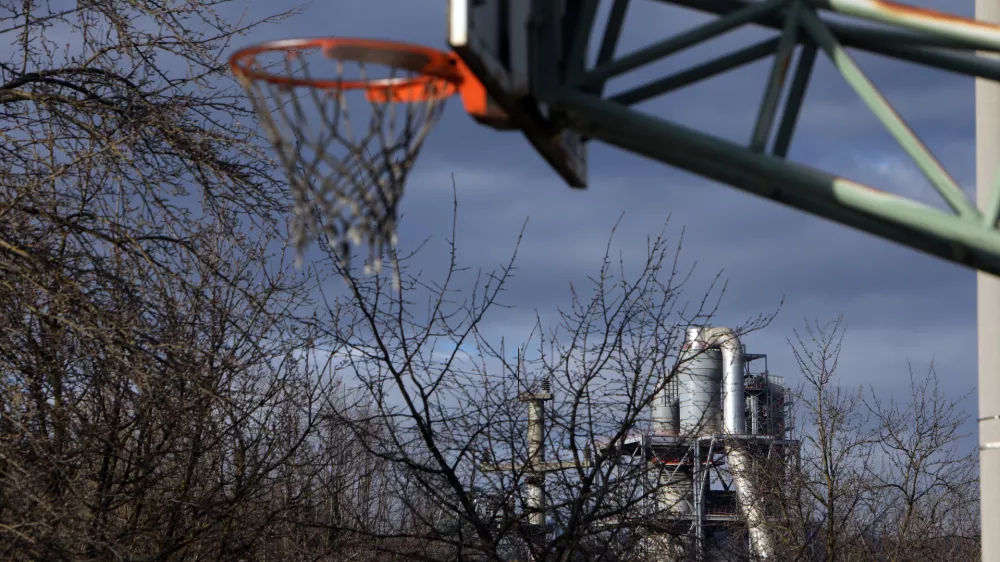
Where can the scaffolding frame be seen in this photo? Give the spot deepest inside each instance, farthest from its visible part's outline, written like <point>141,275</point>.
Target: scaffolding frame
<point>704,458</point>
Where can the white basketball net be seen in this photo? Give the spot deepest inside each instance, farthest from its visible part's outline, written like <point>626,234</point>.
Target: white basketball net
<point>346,178</point>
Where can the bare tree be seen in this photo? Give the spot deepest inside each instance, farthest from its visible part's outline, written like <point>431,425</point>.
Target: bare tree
<point>874,479</point>
<point>449,412</point>
<point>838,453</point>
<point>155,386</point>
<point>928,484</point>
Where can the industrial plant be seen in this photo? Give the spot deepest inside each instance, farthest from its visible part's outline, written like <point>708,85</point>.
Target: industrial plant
<point>719,416</point>
<point>722,413</point>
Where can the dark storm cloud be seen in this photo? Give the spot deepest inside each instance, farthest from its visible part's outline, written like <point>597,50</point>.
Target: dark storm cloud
<point>900,305</point>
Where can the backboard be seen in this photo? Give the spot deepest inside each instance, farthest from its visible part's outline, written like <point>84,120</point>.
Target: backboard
<point>494,40</point>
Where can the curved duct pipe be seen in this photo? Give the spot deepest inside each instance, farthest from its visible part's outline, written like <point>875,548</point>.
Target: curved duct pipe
<point>733,401</point>
<point>734,422</point>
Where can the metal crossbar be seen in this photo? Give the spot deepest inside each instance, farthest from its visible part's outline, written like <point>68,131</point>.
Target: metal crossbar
<point>574,88</point>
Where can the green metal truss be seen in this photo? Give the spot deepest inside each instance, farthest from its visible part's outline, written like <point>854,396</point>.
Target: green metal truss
<point>574,91</point>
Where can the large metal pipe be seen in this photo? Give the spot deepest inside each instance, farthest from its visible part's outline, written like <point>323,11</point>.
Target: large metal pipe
<point>751,503</point>
<point>734,423</point>
<point>733,401</point>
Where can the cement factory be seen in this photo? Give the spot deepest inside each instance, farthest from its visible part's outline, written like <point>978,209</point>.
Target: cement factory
<point>722,413</point>
<point>723,410</point>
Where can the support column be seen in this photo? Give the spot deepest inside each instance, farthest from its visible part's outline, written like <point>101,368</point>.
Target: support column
<point>988,308</point>
<point>535,476</point>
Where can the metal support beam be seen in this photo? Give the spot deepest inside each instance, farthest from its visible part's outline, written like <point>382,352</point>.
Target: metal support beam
<point>931,50</point>
<point>776,81</point>
<point>963,31</point>
<point>583,13</point>
<point>796,95</point>
<point>698,499</point>
<point>698,73</point>
<point>895,218</point>
<point>612,33</point>
<point>680,42</point>
<point>943,182</point>
<point>964,236</point>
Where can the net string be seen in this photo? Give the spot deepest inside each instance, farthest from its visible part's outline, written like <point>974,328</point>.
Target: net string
<point>346,185</point>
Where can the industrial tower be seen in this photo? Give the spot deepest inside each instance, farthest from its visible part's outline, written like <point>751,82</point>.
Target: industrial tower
<point>722,415</point>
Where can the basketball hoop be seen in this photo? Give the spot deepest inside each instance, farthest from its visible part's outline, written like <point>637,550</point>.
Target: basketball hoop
<point>346,182</point>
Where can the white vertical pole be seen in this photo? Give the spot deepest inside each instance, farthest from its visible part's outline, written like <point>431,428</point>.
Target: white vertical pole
<point>988,308</point>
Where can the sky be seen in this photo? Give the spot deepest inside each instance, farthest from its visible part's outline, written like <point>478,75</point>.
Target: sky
<point>901,307</point>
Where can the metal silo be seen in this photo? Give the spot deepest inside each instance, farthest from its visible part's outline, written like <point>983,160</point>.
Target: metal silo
<point>666,409</point>
<point>699,380</point>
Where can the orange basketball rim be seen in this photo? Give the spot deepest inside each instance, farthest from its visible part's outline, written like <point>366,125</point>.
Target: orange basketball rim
<point>439,74</point>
